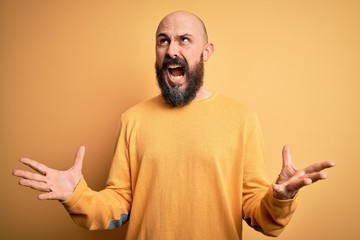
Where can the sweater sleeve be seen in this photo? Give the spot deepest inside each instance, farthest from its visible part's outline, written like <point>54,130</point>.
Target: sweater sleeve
<point>261,210</point>
<point>109,208</point>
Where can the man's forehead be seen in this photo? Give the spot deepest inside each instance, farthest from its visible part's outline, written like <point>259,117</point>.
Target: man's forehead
<point>180,23</point>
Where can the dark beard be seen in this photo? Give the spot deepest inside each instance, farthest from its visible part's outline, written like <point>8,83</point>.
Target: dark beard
<point>173,95</point>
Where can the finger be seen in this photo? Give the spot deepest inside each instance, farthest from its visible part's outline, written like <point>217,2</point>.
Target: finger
<point>317,167</point>
<point>79,158</point>
<point>286,155</point>
<point>40,168</point>
<point>47,196</point>
<point>280,192</point>
<point>29,175</point>
<point>295,185</point>
<point>316,176</point>
<point>277,188</point>
<point>40,186</point>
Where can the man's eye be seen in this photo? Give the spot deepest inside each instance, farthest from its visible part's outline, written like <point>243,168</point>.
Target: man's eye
<point>185,39</point>
<point>163,41</point>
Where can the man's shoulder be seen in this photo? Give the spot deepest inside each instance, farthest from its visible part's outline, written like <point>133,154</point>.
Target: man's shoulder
<point>144,107</point>
<point>233,105</point>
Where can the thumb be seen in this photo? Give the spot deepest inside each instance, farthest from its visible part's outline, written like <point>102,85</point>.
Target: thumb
<point>286,156</point>
<point>288,169</point>
<point>79,158</point>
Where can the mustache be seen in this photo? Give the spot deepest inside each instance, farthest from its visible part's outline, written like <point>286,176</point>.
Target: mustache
<point>176,60</point>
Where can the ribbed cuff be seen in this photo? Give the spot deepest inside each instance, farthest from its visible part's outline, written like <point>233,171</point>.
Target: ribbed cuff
<point>79,190</point>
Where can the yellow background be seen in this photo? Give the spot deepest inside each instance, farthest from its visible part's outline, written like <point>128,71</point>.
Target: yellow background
<point>68,69</point>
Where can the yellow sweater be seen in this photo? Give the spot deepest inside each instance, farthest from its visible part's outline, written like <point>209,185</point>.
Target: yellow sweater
<point>185,173</point>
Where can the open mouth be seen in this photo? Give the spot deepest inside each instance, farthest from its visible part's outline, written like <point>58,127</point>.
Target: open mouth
<point>175,72</point>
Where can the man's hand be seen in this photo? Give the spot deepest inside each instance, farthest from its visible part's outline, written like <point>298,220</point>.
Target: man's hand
<point>56,185</point>
<point>291,180</point>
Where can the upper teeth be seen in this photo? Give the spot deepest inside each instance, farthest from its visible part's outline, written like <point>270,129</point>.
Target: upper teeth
<point>172,66</point>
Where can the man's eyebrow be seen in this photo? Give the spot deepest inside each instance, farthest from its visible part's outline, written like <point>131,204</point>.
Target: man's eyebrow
<point>185,35</point>
<point>179,36</point>
<point>161,35</point>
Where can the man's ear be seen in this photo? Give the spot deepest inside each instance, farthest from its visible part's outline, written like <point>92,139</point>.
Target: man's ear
<point>208,50</point>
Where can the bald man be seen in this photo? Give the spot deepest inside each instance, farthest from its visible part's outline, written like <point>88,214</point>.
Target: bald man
<point>189,164</point>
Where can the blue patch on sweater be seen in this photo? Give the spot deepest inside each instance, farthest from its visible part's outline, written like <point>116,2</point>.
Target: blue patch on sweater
<point>117,223</point>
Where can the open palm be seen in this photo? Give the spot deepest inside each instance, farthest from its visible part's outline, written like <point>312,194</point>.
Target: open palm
<point>290,180</point>
<point>55,184</point>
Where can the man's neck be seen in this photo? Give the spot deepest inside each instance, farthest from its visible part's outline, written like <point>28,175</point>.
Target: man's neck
<point>202,94</point>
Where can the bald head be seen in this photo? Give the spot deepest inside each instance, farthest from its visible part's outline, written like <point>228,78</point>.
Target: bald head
<point>181,49</point>
<point>186,19</point>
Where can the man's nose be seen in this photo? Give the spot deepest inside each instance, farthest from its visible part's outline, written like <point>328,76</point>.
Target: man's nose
<point>173,50</point>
